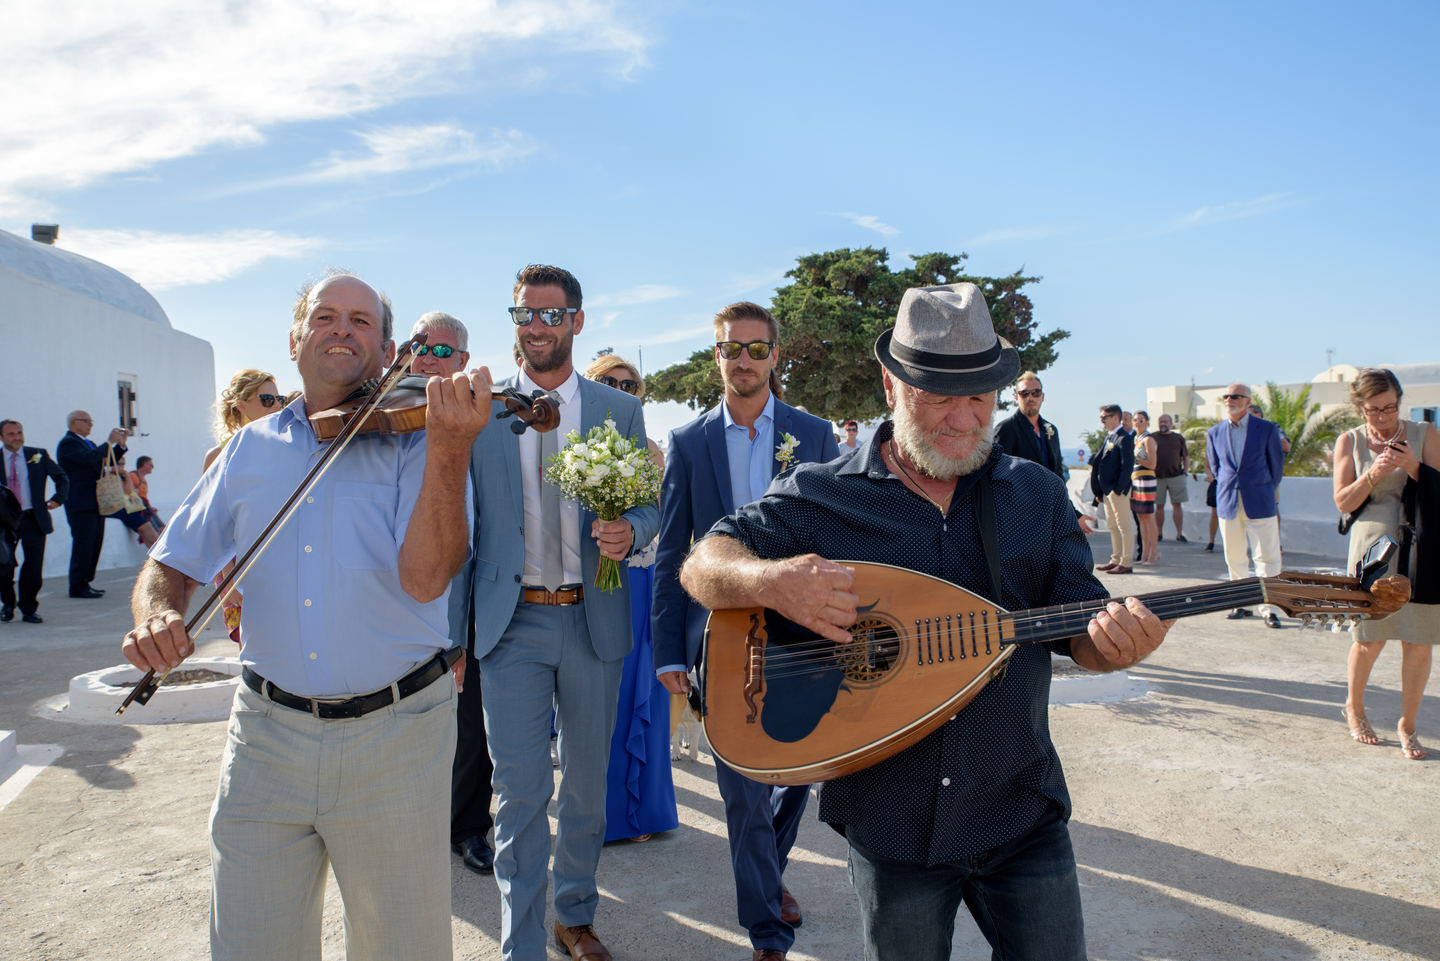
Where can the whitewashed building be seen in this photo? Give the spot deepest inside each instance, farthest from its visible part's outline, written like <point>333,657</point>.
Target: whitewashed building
<point>79,334</point>
<point>1330,389</point>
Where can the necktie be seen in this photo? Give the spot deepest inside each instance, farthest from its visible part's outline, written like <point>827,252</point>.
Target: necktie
<point>552,568</point>
<point>14,458</point>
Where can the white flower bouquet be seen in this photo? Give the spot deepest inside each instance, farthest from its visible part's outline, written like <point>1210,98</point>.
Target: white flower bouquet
<point>609,474</point>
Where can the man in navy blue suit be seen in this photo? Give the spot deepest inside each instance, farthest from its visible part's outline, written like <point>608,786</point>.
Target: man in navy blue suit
<point>1110,469</point>
<point>1245,456</point>
<point>84,462</point>
<point>22,473</point>
<point>718,462</point>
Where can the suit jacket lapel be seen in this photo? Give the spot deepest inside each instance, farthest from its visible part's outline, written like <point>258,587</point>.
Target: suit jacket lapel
<point>784,421</point>
<point>719,458</point>
<point>510,446</point>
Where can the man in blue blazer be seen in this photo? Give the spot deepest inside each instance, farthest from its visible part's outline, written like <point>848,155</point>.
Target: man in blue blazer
<point>84,462</point>
<point>545,638</point>
<point>1110,469</point>
<point>1246,458</point>
<point>722,460</point>
<point>22,473</point>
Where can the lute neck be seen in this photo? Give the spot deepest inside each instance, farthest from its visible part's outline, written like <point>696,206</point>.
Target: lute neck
<point>1041,624</point>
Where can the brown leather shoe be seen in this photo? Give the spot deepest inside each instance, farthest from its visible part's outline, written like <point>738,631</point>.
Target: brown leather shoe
<point>789,908</point>
<point>1122,569</point>
<point>581,942</point>
<point>768,954</point>
<point>1105,567</point>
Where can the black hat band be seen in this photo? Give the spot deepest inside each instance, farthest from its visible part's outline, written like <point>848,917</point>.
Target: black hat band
<point>945,363</point>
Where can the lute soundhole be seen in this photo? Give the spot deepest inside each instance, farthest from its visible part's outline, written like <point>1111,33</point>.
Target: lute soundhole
<point>876,646</point>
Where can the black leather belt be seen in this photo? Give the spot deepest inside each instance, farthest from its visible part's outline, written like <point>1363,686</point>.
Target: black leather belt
<point>362,704</point>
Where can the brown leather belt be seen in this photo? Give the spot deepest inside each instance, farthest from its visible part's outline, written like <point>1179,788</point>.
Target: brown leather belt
<point>560,597</point>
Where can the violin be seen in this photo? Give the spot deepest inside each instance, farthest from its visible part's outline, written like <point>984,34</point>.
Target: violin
<point>402,410</point>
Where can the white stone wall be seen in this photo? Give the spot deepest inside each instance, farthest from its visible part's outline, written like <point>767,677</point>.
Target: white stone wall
<point>66,350</point>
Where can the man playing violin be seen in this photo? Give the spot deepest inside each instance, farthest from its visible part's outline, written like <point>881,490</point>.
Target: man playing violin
<point>976,811</point>
<point>342,735</point>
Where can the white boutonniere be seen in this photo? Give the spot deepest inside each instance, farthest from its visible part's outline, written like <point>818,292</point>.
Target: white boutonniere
<point>34,459</point>
<point>785,453</point>
<point>1049,429</point>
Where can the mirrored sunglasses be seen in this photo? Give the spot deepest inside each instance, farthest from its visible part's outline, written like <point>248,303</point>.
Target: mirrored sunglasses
<point>272,400</point>
<point>1033,392</point>
<point>757,349</point>
<point>441,351</point>
<point>627,385</point>
<point>549,316</point>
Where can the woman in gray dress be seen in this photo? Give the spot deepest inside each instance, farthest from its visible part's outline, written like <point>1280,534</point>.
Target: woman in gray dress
<point>1376,460</point>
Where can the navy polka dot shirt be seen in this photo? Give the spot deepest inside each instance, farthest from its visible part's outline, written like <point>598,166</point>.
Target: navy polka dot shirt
<point>991,773</point>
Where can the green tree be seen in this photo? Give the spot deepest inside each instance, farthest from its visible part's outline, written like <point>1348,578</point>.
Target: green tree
<point>1195,444</point>
<point>1094,439</point>
<point>838,303</point>
<point>1310,434</point>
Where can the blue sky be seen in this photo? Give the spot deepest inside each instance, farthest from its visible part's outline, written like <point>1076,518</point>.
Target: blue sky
<point>1210,192</point>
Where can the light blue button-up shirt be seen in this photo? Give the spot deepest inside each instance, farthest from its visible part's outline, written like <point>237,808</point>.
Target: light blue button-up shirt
<point>1237,438</point>
<point>324,614</point>
<point>751,459</point>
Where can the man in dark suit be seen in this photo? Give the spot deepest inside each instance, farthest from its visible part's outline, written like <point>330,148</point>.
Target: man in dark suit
<point>22,474</point>
<point>83,463</point>
<point>1025,433</point>
<point>1245,455</point>
<point>1110,469</point>
<point>722,460</point>
<point>546,638</point>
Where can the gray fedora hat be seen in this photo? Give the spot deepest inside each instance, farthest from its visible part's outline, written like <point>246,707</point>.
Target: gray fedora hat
<point>944,342</point>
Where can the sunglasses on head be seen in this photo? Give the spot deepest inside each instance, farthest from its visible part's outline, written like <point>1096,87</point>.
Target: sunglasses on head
<point>549,316</point>
<point>271,400</point>
<point>440,351</point>
<point>758,349</point>
<point>627,385</point>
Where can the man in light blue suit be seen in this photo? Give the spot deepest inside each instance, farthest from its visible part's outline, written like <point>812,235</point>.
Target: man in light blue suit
<point>722,460</point>
<point>544,637</point>
<point>1246,458</point>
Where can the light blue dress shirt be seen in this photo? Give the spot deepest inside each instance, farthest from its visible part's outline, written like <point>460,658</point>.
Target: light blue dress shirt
<point>1237,438</point>
<point>751,459</point>
<point>324,613</point>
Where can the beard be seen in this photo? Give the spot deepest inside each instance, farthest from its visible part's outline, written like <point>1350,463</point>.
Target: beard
<point>558,357</point>
<point>749,389</point>
<point>922,453</point>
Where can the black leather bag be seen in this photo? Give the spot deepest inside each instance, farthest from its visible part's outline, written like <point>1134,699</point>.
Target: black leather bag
<point>1348,520</point>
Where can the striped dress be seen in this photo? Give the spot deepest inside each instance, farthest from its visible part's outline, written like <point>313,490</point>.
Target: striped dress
<point>1142,482</point>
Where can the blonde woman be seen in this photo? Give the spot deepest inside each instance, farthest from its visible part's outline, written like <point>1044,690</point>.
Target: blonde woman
<point>251,395</point>
<point>639,794</point>
<point>1142,489</point>
<point>1373,464</point>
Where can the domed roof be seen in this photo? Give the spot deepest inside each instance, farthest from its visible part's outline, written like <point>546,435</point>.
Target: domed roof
<point>89,278</point>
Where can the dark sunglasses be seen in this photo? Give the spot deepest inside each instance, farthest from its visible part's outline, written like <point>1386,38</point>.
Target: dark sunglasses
<point>1035,392</point>
<point>440,351</point>
<point>627,385</point>
<point>1234,396</point>
<point>758,349</point>
<point>271,400</point>
<point>549,316</point>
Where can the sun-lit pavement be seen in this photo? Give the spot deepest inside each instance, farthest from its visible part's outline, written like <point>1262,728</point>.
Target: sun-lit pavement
<point>1224,814</point>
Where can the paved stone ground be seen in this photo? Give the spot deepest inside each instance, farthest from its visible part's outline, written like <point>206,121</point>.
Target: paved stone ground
<point>1225,814</point>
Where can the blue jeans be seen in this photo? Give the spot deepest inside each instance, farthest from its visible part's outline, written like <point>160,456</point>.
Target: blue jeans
<point>1024,896</point>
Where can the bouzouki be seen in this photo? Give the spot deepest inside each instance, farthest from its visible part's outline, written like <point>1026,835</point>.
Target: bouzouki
<point>784,706</point>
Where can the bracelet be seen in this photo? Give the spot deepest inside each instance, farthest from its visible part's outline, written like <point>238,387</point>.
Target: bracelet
<point>1370,480</point>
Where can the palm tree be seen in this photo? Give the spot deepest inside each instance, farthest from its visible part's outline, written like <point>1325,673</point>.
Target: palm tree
<point>1311,435</point>
<point>1194,434</point>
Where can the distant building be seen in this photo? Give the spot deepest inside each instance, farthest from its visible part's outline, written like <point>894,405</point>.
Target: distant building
<point>79,334</point>
<point>1330,389</point>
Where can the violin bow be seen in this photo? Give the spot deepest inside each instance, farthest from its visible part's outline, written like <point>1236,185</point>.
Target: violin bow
<point>148,685</point>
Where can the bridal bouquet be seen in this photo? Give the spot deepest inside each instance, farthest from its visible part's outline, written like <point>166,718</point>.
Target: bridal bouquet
<point>609,474</point>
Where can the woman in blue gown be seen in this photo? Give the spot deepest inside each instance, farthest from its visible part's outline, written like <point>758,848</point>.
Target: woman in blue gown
<point>639,795</point>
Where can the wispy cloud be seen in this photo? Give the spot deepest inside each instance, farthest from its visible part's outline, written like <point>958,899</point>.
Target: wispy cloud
<point>408,147</point>
<point>158,260</point>
<point>870,222</point>
<point>1234,210</point>
<point>632,296</point>
<point>127,87</point>
<point>1013,235</point>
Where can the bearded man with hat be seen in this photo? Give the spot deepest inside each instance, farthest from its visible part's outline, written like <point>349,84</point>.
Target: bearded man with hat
<point>976,811</point>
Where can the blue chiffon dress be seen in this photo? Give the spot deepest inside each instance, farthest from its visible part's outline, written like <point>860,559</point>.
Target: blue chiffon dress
<point>640,795</point>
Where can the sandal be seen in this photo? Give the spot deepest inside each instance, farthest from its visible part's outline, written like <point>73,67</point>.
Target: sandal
<point>1410,747</point>
<point>1360,730</point>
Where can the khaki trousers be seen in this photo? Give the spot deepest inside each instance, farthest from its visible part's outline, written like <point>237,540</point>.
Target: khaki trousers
<point>1261,537</point>
<point>1121,524</point>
